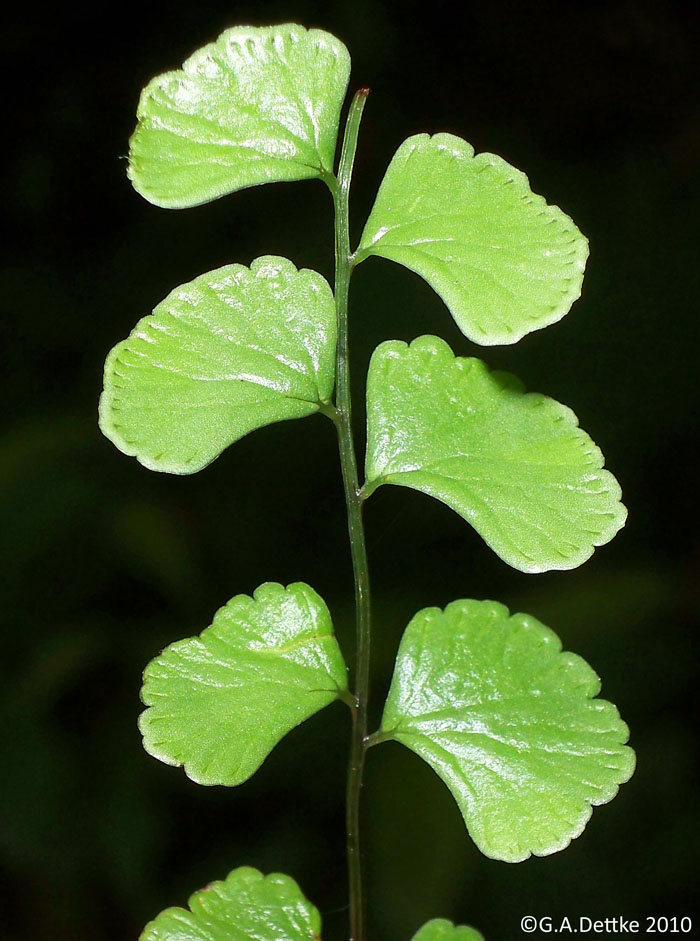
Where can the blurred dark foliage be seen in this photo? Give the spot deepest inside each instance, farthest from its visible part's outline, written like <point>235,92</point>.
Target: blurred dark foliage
<point>104,563</point>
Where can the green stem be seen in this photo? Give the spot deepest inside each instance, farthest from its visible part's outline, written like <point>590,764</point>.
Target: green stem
<point>343,269</point>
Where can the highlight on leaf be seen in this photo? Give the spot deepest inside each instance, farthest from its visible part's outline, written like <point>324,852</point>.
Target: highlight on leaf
<point>234,350</point>
<point>259,105</point>
<point>220,702</point>
<point>503,261</point>
<point>510,723</point>
<point>246,904</point>
<point>513,464</point>
<point>439,929</point>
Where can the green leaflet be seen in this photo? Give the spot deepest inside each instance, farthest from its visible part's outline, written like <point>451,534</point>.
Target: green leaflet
<point>439,929</point>
<point>514,465</point>
<point>248,905</point>
<point>259,105</point>
<point>227,353</point>
<point>510,724</point>
<point>503,261</point>
<point>244,906</point>
<point>220,702</point>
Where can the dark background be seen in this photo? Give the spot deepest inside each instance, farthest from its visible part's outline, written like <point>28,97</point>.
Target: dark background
<point>104,563</point>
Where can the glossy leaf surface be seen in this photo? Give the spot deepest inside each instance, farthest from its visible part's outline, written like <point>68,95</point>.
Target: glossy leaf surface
<point>233,350</point>
<point>510,723</point>
<point>503,261</point>
<point>220,702</point>
<point>439,929</point>
<point>259,105</point>
<point>246,905</point>
<point>515,465</point>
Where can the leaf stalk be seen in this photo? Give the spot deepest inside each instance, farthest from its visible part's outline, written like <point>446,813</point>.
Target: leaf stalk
<point>344,260</point>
